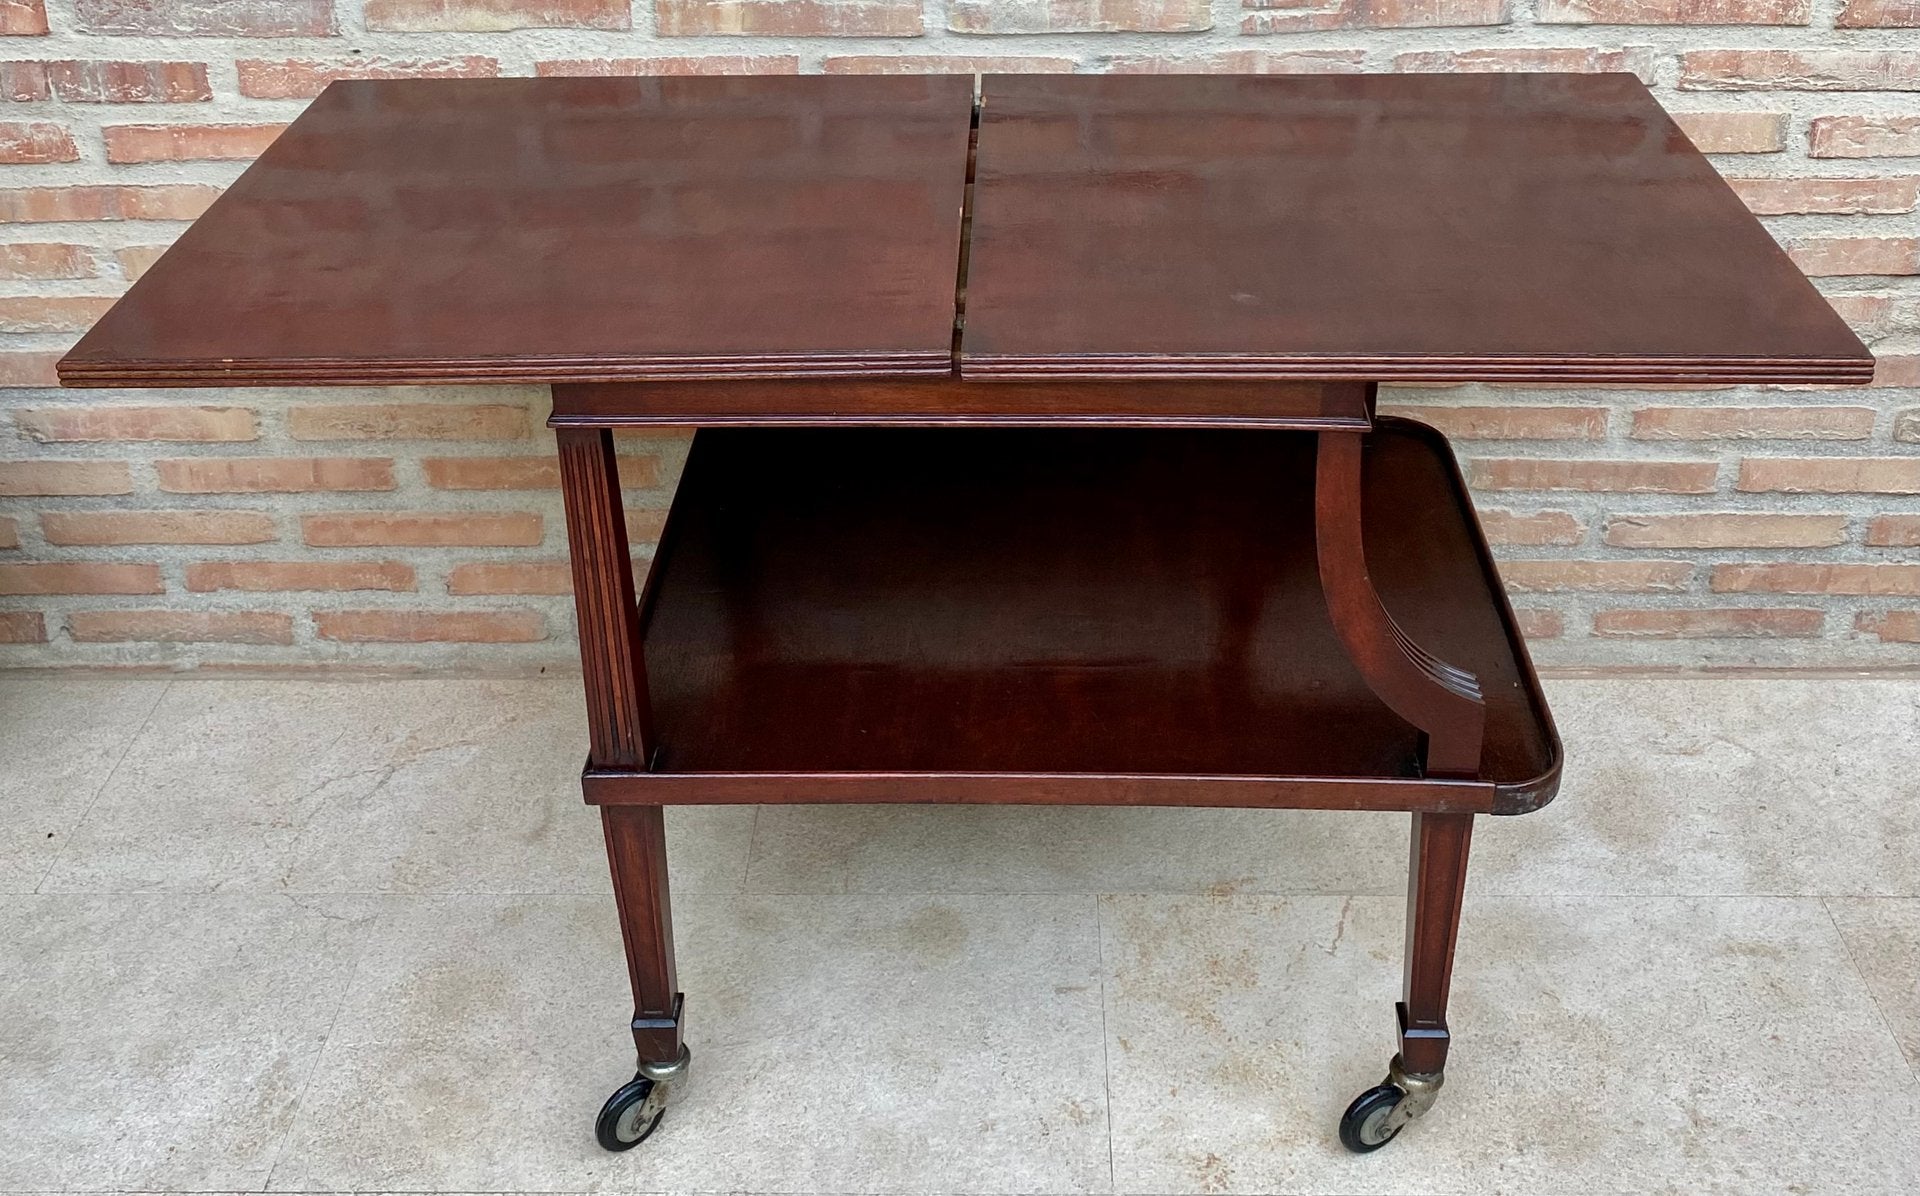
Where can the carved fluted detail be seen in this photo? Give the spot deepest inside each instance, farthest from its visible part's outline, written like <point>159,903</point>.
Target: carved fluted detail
<point>610,651</point>
<point>1441,699</point>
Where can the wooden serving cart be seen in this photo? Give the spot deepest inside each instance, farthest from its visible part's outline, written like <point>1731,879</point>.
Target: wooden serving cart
<point>1038,458</point>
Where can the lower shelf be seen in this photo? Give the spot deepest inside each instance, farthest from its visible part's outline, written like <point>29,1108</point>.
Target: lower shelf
<point>1059,615</point>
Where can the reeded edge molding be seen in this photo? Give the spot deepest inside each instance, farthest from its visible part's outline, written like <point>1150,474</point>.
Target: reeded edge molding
<point>1558,370</point>
<point>480,371</point>
<point>563,371</point>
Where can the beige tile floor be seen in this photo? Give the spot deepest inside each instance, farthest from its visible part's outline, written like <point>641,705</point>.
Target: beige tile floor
<point>309,937</point>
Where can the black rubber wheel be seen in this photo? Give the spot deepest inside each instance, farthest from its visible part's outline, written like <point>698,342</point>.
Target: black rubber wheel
<point>619,1126</point>
<point>1360,1124</point>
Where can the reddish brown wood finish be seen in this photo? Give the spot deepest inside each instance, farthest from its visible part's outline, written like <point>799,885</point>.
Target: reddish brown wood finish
<point>619,729</point>
<point>619,787</point>
<point>637,853</point>
<point>618,722</point>
<point>1300,615</point>
<point>1442,700</point>
<point>1388,227</point>
<point>548,230</point>
<point>1085,614</point>
<point>950,402</point>
<point>1506,227</point>
<point>1436,890</point>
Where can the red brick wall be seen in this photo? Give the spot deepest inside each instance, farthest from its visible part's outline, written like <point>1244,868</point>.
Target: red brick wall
<point>421,529</point>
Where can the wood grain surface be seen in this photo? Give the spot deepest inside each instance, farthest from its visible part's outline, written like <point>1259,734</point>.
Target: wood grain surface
<point>1533,228</point>
<point>552,229</point>
<point>1051,602</point>
<point>1528,228</point>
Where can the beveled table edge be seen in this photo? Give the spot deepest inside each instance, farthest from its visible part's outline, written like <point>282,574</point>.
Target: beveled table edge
<point>563,371</point>
<point>1841,371</point>
<point>548,371</point>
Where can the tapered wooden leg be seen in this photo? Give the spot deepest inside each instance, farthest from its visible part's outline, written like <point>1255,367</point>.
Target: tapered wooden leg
<point>1435,887</point>
<point>637,851</point>
<point>619,730</point>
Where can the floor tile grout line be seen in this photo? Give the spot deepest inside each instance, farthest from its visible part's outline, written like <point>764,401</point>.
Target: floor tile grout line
<point>456,1191</point>
<point>1913,1066</point>
<point>1170,894</point>
<point>753,845</point>
<point>659,1192</point>
<point>1106,1060</point>
<point>469,1191</point>
<point>319,1054</point>
<point>73,831</point>
<point>1204,895</point>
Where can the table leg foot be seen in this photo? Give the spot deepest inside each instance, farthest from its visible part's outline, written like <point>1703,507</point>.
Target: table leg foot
<point>637,852</point>
<point>1436,884</point>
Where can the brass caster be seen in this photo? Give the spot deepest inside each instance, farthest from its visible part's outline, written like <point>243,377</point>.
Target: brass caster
<point>1377,1115</point>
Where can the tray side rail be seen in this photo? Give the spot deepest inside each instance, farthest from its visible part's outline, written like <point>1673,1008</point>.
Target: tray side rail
<point>1440,795</point>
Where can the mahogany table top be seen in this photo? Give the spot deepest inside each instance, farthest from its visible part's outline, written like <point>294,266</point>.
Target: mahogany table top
<point>1391,227</point>
<point>567,229</point>
<point>1544,228</point>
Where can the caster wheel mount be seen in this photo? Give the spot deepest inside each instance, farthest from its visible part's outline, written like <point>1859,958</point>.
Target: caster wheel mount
<point>1378,1115</point>
<point>635,1109</point>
